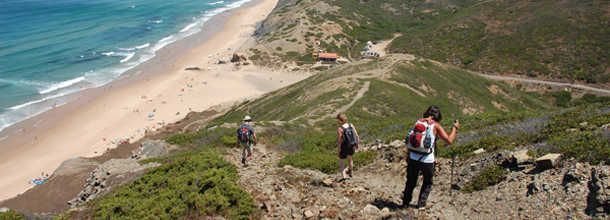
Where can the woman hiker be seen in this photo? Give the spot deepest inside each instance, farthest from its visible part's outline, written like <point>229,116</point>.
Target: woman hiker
<point>344,150</point>
<point>424,162</point>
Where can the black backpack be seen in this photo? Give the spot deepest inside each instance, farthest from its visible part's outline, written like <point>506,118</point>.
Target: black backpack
<point>350,140</point>
<point>243,134</point>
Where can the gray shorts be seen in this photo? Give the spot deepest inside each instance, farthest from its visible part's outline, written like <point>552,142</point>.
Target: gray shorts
<point>247,146</point>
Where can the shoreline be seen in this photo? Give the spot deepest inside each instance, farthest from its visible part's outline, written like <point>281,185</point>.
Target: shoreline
<point>13,137</point>
<point>161,94</point>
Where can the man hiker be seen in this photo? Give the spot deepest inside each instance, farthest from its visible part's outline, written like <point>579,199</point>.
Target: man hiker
<point>245,138</point>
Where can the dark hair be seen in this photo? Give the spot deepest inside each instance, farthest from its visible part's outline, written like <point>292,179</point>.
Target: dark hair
<point>435,112</point>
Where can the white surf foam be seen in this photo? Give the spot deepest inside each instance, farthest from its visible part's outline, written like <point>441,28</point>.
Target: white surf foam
<point>127,57</point>
<point>59,85</point>
<point>143,46</point>
<point>156,22</point>
<point>188,27</point>
<point>134,48</point>
<point>213,3</point>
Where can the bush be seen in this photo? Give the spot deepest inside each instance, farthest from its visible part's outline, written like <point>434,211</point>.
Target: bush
<point>192,186</point>
<point>11,215</point>
<point>212,138</point>
<point>255,57</point>
<point>319,151</point>
<point>491,175</point>
<point>562,98</point>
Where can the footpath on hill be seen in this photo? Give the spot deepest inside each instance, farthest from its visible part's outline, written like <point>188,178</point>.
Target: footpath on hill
<point>375,190</point>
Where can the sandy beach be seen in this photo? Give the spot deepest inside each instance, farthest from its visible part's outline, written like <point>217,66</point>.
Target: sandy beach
<point>126,112</point>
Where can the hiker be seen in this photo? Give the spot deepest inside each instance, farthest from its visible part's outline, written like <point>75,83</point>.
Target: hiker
<point>245,138</point>
<point>422,159</point>
<point>347,144</point>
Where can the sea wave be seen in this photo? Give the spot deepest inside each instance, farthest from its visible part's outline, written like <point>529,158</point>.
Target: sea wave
<point>134,48</point>
<point>237,4</point>
<point>156,21</point>
<point>213,3</point>
<point>143,46</point>
<point>34,108</point>
<point>188,27</point>
<point>20,82</point>
<point>59,85</point>
<point>127,57</point>
<point>40,100</point>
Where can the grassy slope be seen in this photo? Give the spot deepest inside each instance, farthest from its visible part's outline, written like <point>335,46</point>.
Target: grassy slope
<point>560,39</point>
<point>388,104</point>
<point>563,39</point>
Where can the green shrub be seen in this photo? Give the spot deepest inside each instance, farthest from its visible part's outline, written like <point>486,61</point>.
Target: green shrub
<point>319,151</point>
<point>193,186</point>
<point>255,57</point>
<point>212,138</point>
<point>292,53</point>
<point>11,215</point>
<point>562,98</point>
<point>491,175</point>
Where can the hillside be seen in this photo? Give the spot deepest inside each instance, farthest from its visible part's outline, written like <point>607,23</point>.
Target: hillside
<point>550,40</point>
<point>491,171</point>
<point>388,90</point>
<point>560,40</point>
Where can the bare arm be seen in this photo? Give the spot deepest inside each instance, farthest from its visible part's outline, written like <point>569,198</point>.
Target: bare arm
<point>440,132</point>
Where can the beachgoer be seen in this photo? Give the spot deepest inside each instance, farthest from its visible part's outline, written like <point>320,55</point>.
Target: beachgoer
<point>245,139</point>
<point>424,163</point>
<point>343,151</point>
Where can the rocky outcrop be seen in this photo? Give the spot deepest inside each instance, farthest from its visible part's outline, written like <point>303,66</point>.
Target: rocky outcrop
<point>111,173</point>
<point>598,200</point>
<point>152,149</point>
<point>117,171</point>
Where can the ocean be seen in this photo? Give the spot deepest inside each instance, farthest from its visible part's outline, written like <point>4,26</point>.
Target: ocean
<point>51,51</point>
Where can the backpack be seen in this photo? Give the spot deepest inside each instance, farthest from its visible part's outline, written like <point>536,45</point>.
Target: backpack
<point>420,138</point>
<point>243,134</point>
<point>350,140</point>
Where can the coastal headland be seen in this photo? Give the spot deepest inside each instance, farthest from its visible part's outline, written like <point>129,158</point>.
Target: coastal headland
<point>163,93</point>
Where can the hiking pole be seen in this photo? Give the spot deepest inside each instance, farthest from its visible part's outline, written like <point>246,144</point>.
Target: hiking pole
<point>451,179</point>
<point>452,162</point>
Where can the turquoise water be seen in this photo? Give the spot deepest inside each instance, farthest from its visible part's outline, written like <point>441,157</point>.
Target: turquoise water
<point>51,49</point>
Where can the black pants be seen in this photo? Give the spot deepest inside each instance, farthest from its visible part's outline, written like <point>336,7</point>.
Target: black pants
<point>427,170</point>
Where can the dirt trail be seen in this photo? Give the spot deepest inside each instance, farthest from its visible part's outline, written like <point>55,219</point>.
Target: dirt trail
<point>293,193</point>
<point>587,88</point>
<point>375,190</point>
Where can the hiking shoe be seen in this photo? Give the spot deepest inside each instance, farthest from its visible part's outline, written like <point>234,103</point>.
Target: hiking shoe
<point>246,163</point>
<point>243,160</point>
<point>423,207</point>
<point>349,172</point>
